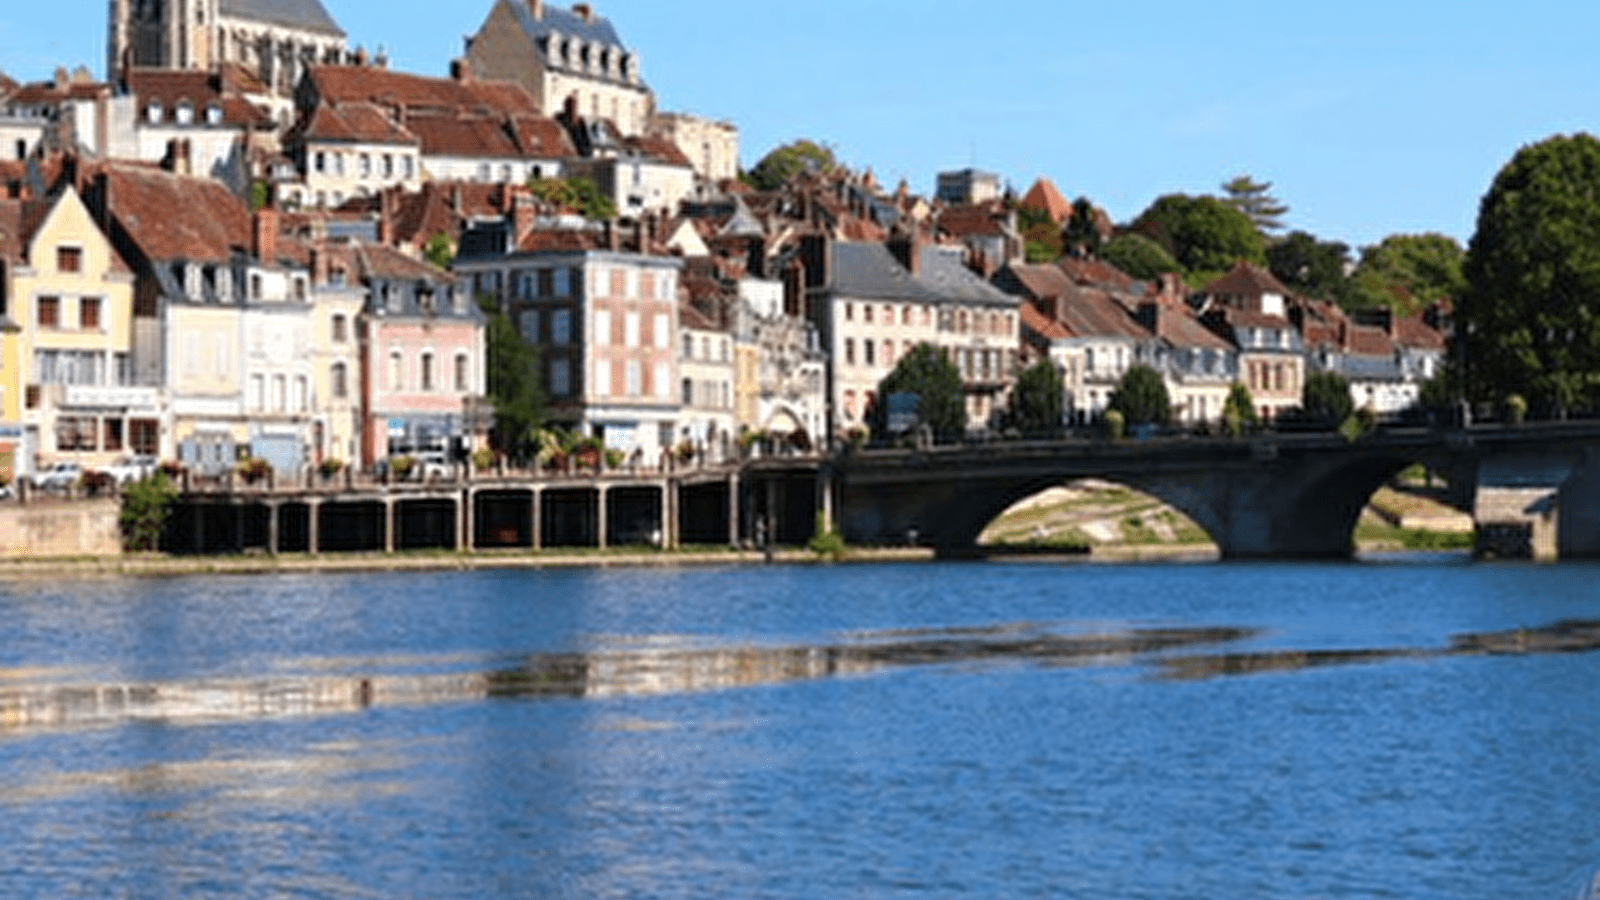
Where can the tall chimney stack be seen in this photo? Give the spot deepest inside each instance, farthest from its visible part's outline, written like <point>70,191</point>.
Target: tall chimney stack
<point>264,234</point>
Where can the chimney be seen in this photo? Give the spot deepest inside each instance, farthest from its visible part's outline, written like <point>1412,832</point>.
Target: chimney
<point>265,235</point>
<point>613,235</point>
<point>907,248</point>
<point>584,11</point>
<point>385,223</point>
<point>524,211</point>
<point>537,8</point>
<point>1149,315</point>
<point>319,264</point>
<point>460,71</point>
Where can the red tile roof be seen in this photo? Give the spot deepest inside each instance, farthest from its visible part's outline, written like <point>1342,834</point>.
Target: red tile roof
<point>1246,280</point>
<point>200,89</point>
<point>355,122</point>
<point>367,84</point>
<point>1368,340</point>
<point>973,219</point>
<point>1096,272</point>
<point>1415,333</point>
<point>171,217</point>
<point>1041,324</point>
<point>1089,311</point>
<point>1044,197</point>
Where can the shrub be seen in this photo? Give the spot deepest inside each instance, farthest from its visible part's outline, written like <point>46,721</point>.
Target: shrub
<point>1114,424</point>
<point>331,466</point>
<point>482,459</point>
<point>145,506</point>
<point>829,543</point>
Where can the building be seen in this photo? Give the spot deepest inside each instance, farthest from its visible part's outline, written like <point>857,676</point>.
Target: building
<point>711,146</point>
<point>560,54</point>
<point>968,186</point>
<point>603,316</point>
<point>68,297</point>
<point>276,40</point>
<point>1248,306</point>
<point>706,369</point>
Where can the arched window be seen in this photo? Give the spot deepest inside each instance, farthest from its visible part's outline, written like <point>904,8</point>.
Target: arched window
<point>153,112</point>
<point>425,375</point>
<point>340,375</point>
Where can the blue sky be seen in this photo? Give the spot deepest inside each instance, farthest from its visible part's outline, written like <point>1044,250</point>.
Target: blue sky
<point>1369,118</point>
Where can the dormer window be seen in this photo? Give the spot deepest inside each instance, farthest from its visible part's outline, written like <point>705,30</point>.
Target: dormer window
<point>425,297</point>
<point>184,113</point>
<point>153,112</point>
<point>213,114</point>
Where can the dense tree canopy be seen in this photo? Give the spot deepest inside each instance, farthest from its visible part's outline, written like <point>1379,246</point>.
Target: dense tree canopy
<point>1406,272</point>
<point>513,386</point>
<point>1141,397</point>
<point>1251,197</point>
<point>1325,398</point>
<point>1311,267</point>
<point>1138,256</point>
<point>791,159</point>
<point>927,372</point>
<point>1036,400</point>
<point>1204,234</point>
<point>578,194</point>
<point>1081,236</point>
<point>1041,239</point>
<point>1530,318</point>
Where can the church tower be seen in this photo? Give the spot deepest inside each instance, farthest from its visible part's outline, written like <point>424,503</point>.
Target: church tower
<point>166,34</point>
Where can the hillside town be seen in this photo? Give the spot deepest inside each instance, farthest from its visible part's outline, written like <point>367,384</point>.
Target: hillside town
<point>252,241</point>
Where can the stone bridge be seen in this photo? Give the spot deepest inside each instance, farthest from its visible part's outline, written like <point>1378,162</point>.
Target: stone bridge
<point>1282,495</point>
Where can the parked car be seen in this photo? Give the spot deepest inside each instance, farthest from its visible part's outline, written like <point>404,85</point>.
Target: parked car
<point>430,465</point>
<point>60,478</point>
<point>132,468</point>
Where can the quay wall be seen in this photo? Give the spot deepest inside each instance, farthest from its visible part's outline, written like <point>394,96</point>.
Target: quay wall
<point>52,528</point>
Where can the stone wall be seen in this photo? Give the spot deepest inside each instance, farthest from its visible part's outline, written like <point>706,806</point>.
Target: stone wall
<point>45,528</point>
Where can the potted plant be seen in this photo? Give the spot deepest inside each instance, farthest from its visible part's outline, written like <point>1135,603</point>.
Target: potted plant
<point>1516,409</point>
<point>400,466</point>
<point>482,459</point>
<point>614,458</point>
<point>253,469</point>
<point>330,467</point>
<point>587,453</point>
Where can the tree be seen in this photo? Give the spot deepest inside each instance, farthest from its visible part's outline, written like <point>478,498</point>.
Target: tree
<point>145,506</point>
<point>1325,398</point>
<point>1239,410</point>
<point>1529,320</point>
<point>578,194</point>
<point>927,372</point>
<point>1141,397</point>
<point>1204,234</point>
<point>783,163</point>
<point>437,250</point>
<point>1139,256</point>
<point>513,385</point>
<point>1309,266</point>
<point>1081,236</point>
<point>1425,268</point>
<point>1036,400</point>
<point>1041,239</point>
<point>1251,198</point>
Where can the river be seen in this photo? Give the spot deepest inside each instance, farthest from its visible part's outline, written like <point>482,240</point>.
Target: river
<point>935,730</point>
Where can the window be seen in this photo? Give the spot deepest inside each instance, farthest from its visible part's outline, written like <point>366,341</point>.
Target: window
<point>152,112</point>
<point>112,438</point>
<point>144,436</point>
<point>407,167</point>
<point>602,328</point>
<point>630,377</point>
<point>867,355</point>
<point>75,432</point>
<point>213,115</point>
<point>280,399</point>
<point>561,282</point>
<point>425,372</point>
<point>340,376</point>
<point>69,259</point>
<point>364,165</point>
<point>602,377</point>
<point>688,346</point>
<point>395,370</point>
<point>255,287</point>
<point>661,331</point>
<point>89,313</point>
<point>49,312</point>
<point>388,165</point>
<point>849,351</point>
<point>630,329</point>
<point>866,313</point>
<point>561,327</point>
<point>185,113</point>
<point>463,379</point>
<point>688,392</point>
<point>663,383</point>
<point>258,392</point>
<point>560,377</point>
<point>302,394</point>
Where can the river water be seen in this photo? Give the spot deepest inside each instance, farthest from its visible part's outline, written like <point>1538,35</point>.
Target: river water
<point>973,730</point>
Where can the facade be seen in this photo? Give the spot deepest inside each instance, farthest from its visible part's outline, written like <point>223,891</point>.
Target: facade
<point>557,54</point>
<point>782,370</point>
<point>605,322</point>
<point>1249,307</point>
<point>71,296</point>
<point>273,39</point>
<point>706,372</point>
<point>197,122</point>
<point>712,147</point>
<point>422,355</point>
<point>968,186</point>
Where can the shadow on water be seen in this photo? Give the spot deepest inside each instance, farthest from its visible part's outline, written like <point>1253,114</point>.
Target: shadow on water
<point>31,704</point>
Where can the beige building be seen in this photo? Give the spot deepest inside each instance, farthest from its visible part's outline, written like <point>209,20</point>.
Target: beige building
<point>712,147</point>
<point>558,54</point>
<point>71,296</point>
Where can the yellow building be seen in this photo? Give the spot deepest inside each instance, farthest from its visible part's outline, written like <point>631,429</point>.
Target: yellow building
<point>70,297</point>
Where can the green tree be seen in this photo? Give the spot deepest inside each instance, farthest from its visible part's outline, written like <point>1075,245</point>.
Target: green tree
<point>1529,321</point>
<point>1204,234</point>
<point>1041,238</point>
<point>1309,266</point>
<point>578,194</point>
<point>1251,198</point>
<point>1325,398</point>
<point>927,372</point>
<point>513,384</point>
<point>145,506</point>
<point>1139,256</point>
<point>437,250</point>
<point>1141,397</point>
<point>1081,236</point>
<point>1036,400</point>
<point>1239,410</point>
<point>1422,267</point>
<point>783,163</point>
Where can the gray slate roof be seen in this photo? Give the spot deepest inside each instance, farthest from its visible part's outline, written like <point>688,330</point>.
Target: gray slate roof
<point>558,19</point>
<point>870,270</point>
<point>943,271</point>
<point>306,14</point>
